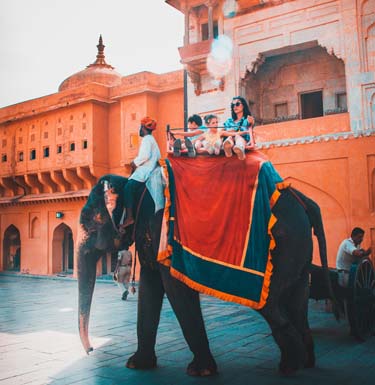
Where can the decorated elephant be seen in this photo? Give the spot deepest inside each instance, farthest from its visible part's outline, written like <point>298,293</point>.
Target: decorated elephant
<point>99,234</point>
<point>287,303</point>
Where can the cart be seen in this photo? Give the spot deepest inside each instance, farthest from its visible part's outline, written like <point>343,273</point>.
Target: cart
<point>356,302</point>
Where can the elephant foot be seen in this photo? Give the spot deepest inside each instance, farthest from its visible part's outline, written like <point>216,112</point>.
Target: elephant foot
<point>137,361</point>
<point>293,350</point>
<point>310,355</point>
<point>310,360</point>
<point>287,371</point>
<point>288,367</point>
<point>355,334</point>
<point>310,363</point>
<point>197,369</point>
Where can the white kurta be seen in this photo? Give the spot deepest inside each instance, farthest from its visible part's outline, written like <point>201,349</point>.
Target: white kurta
<point>345,257</point>
<point>344,260</point>
<point>147,159</point>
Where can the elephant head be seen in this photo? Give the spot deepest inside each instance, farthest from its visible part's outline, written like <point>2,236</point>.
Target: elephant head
<point>98,235</point>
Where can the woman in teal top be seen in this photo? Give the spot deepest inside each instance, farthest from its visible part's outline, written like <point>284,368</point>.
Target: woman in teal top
<point>238,128</point>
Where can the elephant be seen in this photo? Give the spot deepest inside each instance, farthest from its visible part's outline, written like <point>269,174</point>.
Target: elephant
<point>98,235</point>
<point>286,308</point>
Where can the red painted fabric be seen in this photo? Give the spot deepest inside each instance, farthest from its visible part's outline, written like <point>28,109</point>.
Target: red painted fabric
<point>216,203</point>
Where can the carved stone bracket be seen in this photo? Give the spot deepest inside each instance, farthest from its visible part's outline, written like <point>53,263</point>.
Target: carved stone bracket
<point>255,61</point>
<point>331,46</point>
<point>195,78</point>
<point>256,64</point>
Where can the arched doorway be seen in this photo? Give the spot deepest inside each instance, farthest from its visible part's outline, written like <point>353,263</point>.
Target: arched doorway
<point>12,249</point>
<point>62,250</point>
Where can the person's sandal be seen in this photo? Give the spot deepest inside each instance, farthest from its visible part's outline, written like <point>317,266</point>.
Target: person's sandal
<point>177,147</point>
<point>190,148</point>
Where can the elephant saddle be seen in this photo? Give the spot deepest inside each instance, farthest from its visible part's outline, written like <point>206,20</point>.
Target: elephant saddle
<point>216,235</point>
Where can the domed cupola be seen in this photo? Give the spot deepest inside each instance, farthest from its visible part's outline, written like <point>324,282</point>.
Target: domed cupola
<point>97,72</point>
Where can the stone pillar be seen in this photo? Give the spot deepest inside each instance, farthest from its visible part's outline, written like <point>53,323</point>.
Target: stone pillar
<point>210,20</point>
<point>187,25</point>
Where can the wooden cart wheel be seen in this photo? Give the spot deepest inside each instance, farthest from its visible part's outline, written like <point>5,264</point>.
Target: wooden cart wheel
<point>362,309</point>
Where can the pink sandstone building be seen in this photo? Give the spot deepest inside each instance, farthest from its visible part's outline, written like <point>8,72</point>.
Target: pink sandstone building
<point>306,67</point>
<point>54,149</point>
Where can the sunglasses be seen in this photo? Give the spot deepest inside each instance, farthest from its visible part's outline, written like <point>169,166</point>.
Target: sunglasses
<point>237,104</point>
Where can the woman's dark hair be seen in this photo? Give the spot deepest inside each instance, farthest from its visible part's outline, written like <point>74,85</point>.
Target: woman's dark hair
<point>246,109</point>
<point>195,119</point>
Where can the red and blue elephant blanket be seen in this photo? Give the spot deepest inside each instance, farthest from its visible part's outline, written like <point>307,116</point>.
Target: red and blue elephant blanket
<point>216,235</point>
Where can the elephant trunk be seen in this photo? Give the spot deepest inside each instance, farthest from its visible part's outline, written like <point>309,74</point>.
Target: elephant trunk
<point>86,283</point>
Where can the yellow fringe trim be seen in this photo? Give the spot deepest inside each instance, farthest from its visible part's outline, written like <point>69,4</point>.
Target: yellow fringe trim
<point>212,292</point>
<point>163,256</point>
<point>283,185</point>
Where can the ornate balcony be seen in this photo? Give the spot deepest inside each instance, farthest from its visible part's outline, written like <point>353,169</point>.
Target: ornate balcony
<point>194,57</point>
<point>193,54</point>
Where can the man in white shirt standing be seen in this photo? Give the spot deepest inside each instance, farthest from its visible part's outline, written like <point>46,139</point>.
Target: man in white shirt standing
<point>350,251</point>
<point>144,164</point>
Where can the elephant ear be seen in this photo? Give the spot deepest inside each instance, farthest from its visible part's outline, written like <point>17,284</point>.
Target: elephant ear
<point>94,205</point>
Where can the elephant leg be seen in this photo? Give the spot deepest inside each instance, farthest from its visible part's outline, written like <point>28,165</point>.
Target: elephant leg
<point>287,338</point>
<point>296,304</point>
<point>150,299</point>
<point>185,303</point>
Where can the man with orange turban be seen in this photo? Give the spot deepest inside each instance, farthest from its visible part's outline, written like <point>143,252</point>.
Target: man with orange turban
<point>144,164</point>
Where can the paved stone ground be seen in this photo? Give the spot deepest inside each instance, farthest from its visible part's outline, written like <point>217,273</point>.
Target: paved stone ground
<point>39,342</point>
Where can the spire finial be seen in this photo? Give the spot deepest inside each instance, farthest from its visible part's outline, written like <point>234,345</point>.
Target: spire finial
<point>100,58</point>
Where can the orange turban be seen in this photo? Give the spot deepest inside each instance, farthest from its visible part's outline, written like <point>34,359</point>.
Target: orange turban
<point>148,123</point>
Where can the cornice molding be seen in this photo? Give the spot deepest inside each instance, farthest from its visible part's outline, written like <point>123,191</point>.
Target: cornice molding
<point>315,139</point>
